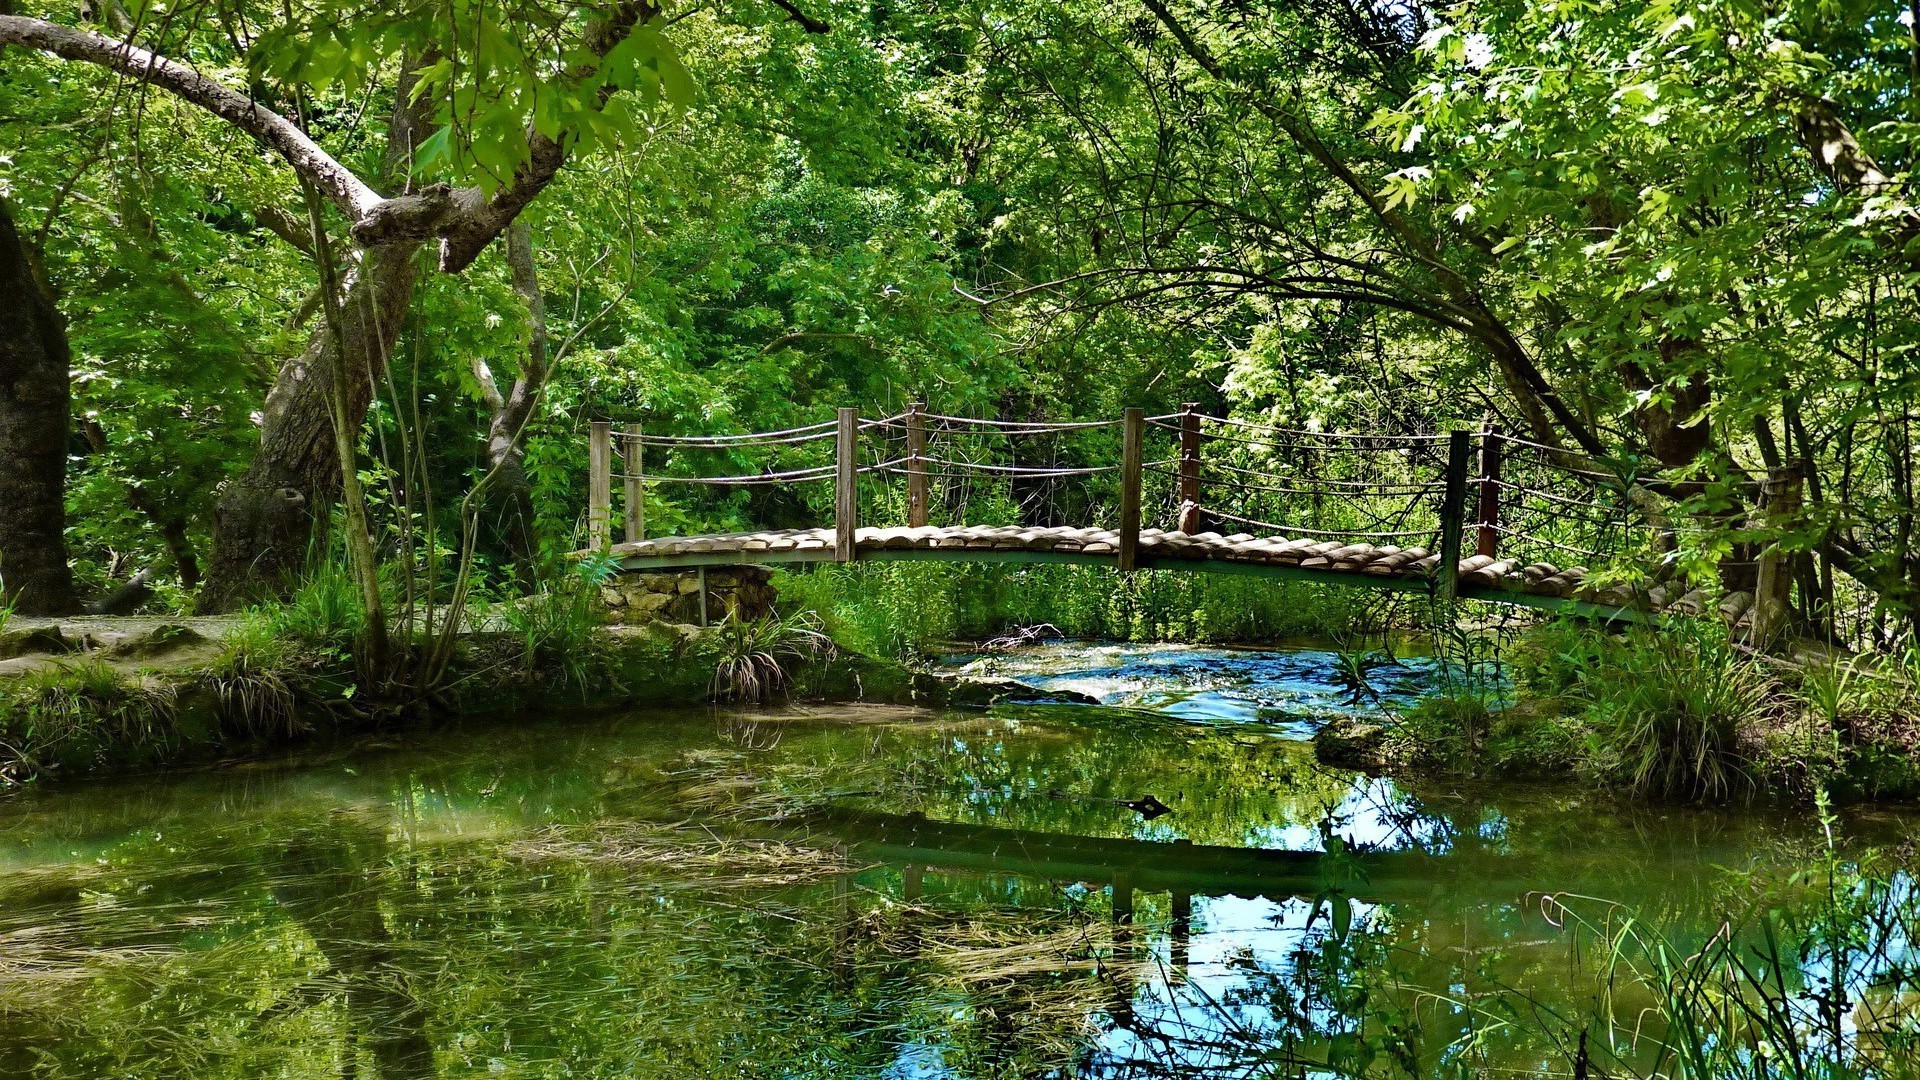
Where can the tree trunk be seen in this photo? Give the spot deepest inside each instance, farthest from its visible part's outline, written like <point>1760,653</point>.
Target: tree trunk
<point>510,413</point>
<point>35,414</point>
<point>265,518</point>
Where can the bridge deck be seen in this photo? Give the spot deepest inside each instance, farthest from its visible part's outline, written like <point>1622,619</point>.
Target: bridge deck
<point>1540,584</point>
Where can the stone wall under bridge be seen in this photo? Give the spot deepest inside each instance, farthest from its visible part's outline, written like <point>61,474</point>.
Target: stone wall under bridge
<point>675,595</point>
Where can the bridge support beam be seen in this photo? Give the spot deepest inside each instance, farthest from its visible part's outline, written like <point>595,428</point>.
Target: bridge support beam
<point>634,499</point>
<point>1453,514</point>
<point>917,464</point>
<point>1190,517</point>
<point>1488,518</point>
<point>599,485</point>
<point>846,485</point>
<point>1133,431</point>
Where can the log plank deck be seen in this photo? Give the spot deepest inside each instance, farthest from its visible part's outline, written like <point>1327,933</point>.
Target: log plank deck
<point>1412,569</point>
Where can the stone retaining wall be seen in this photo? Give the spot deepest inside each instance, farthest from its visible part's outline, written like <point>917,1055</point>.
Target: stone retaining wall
<point>674,595</point>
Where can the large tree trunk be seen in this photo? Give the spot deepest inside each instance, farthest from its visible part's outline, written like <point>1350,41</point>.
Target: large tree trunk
<point>265,519</point>
<point>35,413</point>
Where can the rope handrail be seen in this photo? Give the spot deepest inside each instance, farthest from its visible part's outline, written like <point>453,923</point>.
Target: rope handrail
<point>1549,496</point>
<point>1304,531</point>
<point>1432,437</point>
<point>1023,427</point>
<point>799,434</point>
<point>1518,535</point>
<point>790,476</point>
<point>1310,448</point>
<point>1013,470</point>
<point>1413,489</point>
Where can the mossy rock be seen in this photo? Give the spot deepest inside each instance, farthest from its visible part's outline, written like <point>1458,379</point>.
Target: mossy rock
<point>38,640</point>
<point>1351,744</point>
<point>941,688</point>
<point>163,640</point>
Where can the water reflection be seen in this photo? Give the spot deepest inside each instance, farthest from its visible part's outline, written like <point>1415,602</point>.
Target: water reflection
<point>865,891</point>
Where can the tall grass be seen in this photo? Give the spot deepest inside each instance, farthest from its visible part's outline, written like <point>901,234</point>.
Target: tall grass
<point>895,609</point>
<point>1670,712</point>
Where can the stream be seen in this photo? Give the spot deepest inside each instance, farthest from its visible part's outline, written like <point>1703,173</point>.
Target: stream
<point>1164,884</point>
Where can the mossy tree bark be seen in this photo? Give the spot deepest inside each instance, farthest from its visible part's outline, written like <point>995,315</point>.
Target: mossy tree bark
<point>35,422</point>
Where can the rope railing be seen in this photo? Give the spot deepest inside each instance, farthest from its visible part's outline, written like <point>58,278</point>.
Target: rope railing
<point>1454,494</point>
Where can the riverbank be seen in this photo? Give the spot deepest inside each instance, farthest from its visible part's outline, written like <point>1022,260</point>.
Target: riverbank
<point>97,695</point>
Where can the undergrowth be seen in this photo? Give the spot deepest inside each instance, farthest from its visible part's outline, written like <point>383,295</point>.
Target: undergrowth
<point>904,608</point>
<point>1678,712</point>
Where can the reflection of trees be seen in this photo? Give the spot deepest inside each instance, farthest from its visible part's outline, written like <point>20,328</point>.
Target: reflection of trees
<point>334,928</point>
<point>330,877</point>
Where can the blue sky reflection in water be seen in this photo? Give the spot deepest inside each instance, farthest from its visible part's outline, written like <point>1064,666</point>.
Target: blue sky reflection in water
<point>847,891</point>
<point>1291,688</point>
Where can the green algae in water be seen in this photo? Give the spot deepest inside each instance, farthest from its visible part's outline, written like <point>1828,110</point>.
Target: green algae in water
<point>866,891</point>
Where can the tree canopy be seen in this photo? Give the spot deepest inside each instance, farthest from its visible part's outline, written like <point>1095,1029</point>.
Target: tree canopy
<point>1676,236</point>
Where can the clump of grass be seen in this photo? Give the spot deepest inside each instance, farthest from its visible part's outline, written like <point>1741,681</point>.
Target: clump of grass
<point>1670,712</point>
<point>751,656</point>
<point>253,682</point>
<point>556,629</point>
<point>324,612</point>
<point>71,714</point>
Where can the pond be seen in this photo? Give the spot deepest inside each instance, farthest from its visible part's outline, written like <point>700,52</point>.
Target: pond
<point>1163,884</point>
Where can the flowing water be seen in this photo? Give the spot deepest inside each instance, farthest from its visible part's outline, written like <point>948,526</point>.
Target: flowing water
<point>1164,884</point>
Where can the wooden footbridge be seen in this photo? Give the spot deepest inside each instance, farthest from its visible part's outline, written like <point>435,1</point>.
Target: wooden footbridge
<point>1462,514</point>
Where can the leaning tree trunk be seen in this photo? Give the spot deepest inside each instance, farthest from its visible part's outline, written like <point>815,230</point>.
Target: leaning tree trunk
<point>35,412</point>
<point>266,516</point>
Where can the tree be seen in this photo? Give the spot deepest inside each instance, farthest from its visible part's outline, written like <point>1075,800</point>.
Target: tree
<point>34,431</point>
<point>516,128</point>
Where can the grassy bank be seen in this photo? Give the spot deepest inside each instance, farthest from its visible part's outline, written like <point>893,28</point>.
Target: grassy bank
<point>1679,712</point>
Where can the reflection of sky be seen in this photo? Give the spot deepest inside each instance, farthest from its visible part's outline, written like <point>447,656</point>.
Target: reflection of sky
<point>1278,686</point>
<point>1209,1016</point>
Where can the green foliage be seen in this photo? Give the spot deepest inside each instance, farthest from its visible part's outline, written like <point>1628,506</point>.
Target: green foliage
<point>324,612</point>
<point>75,715</point>
<point>895,609</point>
<point>557,634</point>
<point>750,656</point>
<point>1677,712</point>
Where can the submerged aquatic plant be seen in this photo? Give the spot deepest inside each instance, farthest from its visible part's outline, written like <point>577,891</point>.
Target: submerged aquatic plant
<point>752,654</point>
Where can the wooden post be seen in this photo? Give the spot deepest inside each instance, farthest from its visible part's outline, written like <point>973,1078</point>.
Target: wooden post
<point>1773,590</point>
<point>917,464</point>
<point>1182,934</point>
<point>599,485</point>
<point>1123,897</point>
<point>1453,512</point>
<point>635,497</point>
<point>846,501</point>
<point>1190,521</point>
<point>1133,432</point>
<point>1488,518</point>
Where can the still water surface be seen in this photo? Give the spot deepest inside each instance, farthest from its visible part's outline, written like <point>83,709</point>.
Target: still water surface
<point>852,891</point>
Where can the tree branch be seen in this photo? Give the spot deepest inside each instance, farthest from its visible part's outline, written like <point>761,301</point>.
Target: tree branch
<point>336,181</point>
<point>807,22</point>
